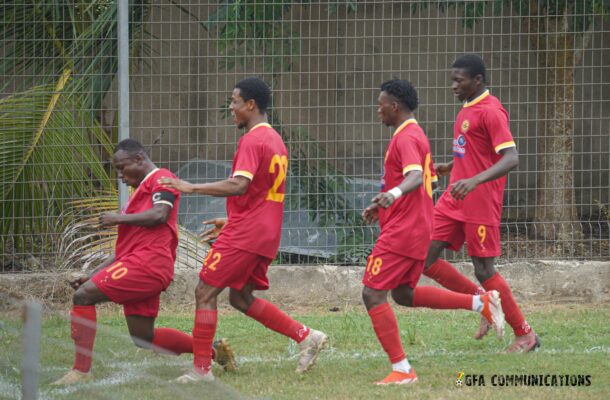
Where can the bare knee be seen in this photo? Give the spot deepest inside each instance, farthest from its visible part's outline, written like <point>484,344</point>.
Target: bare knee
<point>239,301</point>
<point>403,297</point>
<point>82,298</point>
<point>483,268</point>
<point>434,252</point>
<point>373,298</point>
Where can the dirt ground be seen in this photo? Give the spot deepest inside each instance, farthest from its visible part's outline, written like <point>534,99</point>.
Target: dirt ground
<point>295,287</point>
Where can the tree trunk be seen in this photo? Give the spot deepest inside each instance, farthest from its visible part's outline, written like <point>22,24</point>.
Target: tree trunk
<point>556,213</point>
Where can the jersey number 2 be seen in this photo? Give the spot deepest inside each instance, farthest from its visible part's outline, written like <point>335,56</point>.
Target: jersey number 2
<point>282,167</point>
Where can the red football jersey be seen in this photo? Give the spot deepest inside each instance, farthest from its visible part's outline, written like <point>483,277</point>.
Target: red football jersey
<point>406,226</point>
<point>480,132</point>
<point>153,247</point>
<point>255,218</point>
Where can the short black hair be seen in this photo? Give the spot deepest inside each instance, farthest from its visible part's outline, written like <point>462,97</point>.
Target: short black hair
<point>257,89</point>
<point>403,91</point>
<point>130,146</point>
<point>472,64</point>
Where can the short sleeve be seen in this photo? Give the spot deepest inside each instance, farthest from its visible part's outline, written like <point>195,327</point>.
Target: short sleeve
<point>496,123</point>
<point>410,159</point>
<point>247,159</point>
<point>161,194</point>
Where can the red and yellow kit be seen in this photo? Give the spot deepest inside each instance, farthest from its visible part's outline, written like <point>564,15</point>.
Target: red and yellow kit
<point>254,219</point>
<point>406,225</point>
<point>481,132</point>
<point>144,256</point>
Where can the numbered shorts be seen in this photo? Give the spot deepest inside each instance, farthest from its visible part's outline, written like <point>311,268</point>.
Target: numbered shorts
<point>131,285</point>
<point>387,271</point>
<point>226,266</point>
<point>481,240</point>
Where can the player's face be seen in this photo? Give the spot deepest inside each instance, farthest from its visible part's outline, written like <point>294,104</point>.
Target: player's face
<point>463,85</point>
<point>128,167</point>
<point>239,109</point>
<point>386,109</point>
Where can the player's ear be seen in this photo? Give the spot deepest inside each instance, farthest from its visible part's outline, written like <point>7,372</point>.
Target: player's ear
<point>251,104</point>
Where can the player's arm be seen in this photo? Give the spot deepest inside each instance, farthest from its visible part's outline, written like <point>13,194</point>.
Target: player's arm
<point>509,160</point>
<point>78,278</point>
<point>235,186</point>
<point>443,169</point>
<point>158,214</point>
<point>413,179</point>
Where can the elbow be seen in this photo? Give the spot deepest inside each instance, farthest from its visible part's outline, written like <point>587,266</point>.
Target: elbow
<point>240,190</point>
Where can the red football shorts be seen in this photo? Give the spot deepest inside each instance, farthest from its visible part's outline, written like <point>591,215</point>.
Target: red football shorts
<point>481,240</point>
<point>132,285</point>
<point>226,266</point>
<point>387,271</point>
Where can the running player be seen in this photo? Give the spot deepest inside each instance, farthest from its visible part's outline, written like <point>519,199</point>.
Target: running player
<point>249,241</point>
<point>404,209</point>
<point>470,209</point>
<point>139,270</point>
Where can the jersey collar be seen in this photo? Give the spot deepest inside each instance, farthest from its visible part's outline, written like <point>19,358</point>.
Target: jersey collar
<point>148,176</point>
<point>404,124</point>
<point>476,100</point>
<point>266,125</point>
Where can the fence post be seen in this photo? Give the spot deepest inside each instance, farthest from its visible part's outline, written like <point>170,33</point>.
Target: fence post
<point>123,72</point>
<point>30,364</point>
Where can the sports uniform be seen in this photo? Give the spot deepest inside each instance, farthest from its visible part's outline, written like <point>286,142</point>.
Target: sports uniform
<point>399,253</point>
<point>144,256</point>
<point>480,133</point>
<point>249,241</point>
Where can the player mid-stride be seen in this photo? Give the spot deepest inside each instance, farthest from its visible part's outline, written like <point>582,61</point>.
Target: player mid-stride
<point>470,209</point>
<point>139,270</point>
<point>404,210</point>
<point>249,241</point>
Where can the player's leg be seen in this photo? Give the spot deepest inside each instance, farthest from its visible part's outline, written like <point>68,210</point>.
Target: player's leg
<point>206,318</point>
<point>525,338</point>
<point>311,341</point>
<point>448,234</point>
<point>83,321</point>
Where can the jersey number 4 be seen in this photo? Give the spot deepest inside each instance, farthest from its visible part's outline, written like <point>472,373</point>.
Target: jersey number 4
<point>282,167</point>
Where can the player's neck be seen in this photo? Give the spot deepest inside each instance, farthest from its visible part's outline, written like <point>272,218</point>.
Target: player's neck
<point>256,120</point>
<point>402,119</point>
<point>476,94</point>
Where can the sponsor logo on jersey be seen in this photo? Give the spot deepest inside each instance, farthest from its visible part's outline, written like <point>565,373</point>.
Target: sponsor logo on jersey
<point>459,146</point>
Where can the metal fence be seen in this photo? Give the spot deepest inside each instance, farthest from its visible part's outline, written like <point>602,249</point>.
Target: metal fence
<point>325,62</point>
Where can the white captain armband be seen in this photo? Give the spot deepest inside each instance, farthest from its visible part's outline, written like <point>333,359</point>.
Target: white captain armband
<point>164,198</point>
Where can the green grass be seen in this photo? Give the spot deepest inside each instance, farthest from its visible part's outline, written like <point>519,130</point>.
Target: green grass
<point>575,340</point>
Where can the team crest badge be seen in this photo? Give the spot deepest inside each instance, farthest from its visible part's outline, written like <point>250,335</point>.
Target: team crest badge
<point>460,379</point>
<point>465,126</point>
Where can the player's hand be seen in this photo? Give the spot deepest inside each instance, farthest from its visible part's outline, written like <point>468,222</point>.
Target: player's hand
<point>384,199</point>
<point>371,214</point>
<point>109,219</point>
<point>214,231</point>
<point>442,169</point>
<point>178,184</point>
<point>77,279</point>
<point>461,188</point>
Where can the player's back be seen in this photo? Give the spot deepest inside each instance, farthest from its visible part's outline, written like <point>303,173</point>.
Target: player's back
<point>255,218</point>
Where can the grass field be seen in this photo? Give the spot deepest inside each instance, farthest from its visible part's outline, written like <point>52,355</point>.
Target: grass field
<point>575,340</point>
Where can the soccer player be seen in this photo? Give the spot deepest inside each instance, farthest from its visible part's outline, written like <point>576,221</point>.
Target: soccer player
<point>141,267</point>
<point>404,209</point>
<point>470,209</point>
<point>249,241</point>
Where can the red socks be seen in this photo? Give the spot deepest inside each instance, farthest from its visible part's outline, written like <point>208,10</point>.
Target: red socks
<point>273,318</point>
<point>449,277</point>
<point>172,341</point>
<point>386,328</point>
<point>441,299</point>
<point>82,329</point>
<point>203,337</point>
<point>512,313</point>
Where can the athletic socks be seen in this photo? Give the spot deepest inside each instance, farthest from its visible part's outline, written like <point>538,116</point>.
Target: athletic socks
<point>402,366</point>
<point>203,336</point>
<point>441,299</point>
<point>82,329</point>
<point>512,313</point>
<point>273,318</point>
<point>386,329</point>
<point>447,276</point>
<point>172,341</point>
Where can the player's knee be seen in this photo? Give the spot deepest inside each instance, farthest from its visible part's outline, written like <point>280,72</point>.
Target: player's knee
<point>82,298</point>
<point>238,302</point>
<point>143,341</point>
<point>404,298</point>
<point>372,298</point>
<point>483,273</point>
